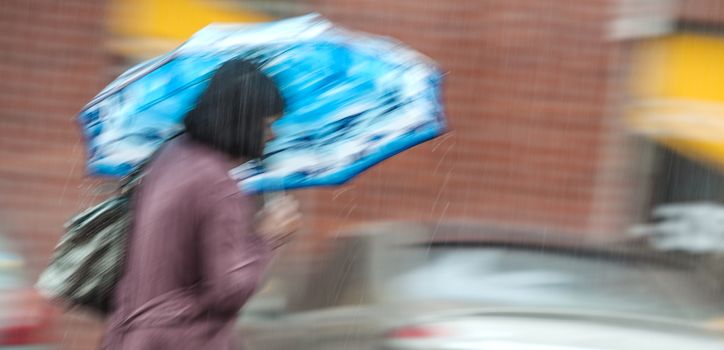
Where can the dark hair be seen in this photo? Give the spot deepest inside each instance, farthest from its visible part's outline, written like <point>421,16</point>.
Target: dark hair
<point>230,114</point>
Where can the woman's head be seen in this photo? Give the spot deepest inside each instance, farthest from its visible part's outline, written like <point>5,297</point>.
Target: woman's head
<point>235,110</point>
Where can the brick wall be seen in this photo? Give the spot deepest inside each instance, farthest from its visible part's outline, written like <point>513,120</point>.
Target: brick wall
<point>528,96</point>
<point>51,62</point>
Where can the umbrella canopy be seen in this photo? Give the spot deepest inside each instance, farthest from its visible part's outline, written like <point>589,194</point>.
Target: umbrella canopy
<point>352,100</point>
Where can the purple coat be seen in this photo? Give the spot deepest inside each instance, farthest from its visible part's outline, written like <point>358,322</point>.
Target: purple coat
<point>193,259</point>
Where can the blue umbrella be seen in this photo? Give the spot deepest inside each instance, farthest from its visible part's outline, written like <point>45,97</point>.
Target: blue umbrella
<point>352,100</point>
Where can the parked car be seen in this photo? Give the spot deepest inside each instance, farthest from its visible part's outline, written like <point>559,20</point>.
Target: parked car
<point>25,319</point>
<point>464,286</point>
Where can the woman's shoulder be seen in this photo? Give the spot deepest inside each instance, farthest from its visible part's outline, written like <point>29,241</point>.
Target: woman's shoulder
<point>193,159</point>
<point>184,164</point>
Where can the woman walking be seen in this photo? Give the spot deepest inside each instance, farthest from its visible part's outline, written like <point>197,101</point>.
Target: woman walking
<point>198,248</point>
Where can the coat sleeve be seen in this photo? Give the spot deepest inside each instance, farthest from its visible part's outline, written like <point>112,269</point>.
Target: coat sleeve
<point>233,257</point>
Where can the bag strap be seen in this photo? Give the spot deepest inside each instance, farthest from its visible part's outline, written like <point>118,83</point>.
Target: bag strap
<point>130,181</point>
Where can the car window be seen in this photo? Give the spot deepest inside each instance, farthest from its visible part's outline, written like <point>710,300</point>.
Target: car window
<point>355,273</point>
<point>284,283</point>
<point>512,277</point>
<point>269,302</point>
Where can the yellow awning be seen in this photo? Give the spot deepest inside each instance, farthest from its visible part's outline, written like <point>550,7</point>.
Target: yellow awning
<point>679,88</point>
<point>142,28</point>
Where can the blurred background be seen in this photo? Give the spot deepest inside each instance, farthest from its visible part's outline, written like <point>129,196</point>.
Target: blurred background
<point>579,188</point>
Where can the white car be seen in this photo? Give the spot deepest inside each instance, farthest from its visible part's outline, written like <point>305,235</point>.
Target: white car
<point>449,286</point>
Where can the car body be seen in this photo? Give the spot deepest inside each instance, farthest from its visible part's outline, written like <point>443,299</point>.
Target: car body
<point>411,286</point>
<point>25,319</point>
